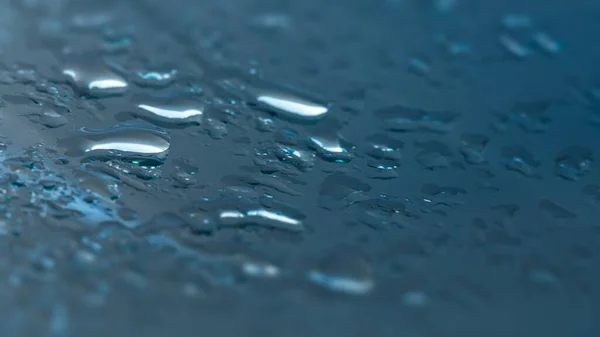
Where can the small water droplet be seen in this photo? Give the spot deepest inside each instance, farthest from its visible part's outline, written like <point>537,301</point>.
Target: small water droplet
<point>331,149</point>
<point>573,163</point>
<point>546,43</point>
<point>157,78</point>
<point>513,46</point>
<point>519,159</point>
<point>404,119</point>
<point>516,20</point>
<point>51,118</point>
<point>472,147</point>
<point>555,210</point>
<point>272,21</point>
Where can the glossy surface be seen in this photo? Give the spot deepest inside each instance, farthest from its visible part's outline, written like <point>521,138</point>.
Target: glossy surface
<point>299,168</point>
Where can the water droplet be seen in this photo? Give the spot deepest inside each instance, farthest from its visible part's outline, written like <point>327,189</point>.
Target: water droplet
<point>52,119</point>
<point>260,269</point>
<point>343,271</point>
<point>302,160</point>
<point>91,77</point>
<point>519,159</point>
<point>546,43</point>
<point>128,141</point>
<point>513,46</point>
<point>555,210</point>
<point>97,183</point>
<point>415,299</point>
<point>185,173</point>
<point>215,128</point>
<point>472,147</point>
<point>167,111</point>
<point>339,190</point>
<point>433,155</point>
<point>516,20</point>
<point>291,106</point>
<point>283,102</point>
<point>330,148</point>
<point>403,119</point>
<point>91,20</point>
<point>261,217</point>
<point>573,163</point>
<point>157,78</point>
<point>59,322</point>
<point>419,66</point>
<point>384,147</point>
<point>272,20</point>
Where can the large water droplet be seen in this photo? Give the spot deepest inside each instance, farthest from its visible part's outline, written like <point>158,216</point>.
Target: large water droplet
<point>129,141</point>
<point>92,77</point>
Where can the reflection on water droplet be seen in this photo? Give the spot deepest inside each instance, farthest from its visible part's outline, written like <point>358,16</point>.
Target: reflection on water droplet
<point>92,77</point>
<point>125,140</point>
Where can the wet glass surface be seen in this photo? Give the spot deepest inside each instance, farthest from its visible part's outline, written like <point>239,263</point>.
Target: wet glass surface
<point>299,168</point>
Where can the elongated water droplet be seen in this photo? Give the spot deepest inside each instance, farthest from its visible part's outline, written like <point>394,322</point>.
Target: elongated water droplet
<point>129,141</point>
<point>91,77</point>
<point>261,217</point>
<point>284,102</point>
<point>167,111</point>
<point>343,271</point>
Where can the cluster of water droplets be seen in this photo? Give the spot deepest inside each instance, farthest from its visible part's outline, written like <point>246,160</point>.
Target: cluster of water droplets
<point>225,179</point>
